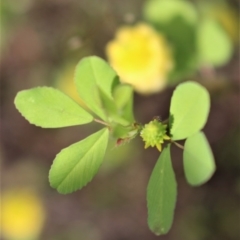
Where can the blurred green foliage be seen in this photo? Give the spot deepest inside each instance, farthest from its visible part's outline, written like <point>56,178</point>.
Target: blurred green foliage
<point>198,35</point>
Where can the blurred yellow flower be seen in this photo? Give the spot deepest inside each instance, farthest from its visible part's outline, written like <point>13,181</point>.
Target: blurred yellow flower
<point>141,57</point>
<point>22,215</point>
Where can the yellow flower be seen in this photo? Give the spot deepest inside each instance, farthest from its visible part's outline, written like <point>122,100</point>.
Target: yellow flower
<point>141,58</point>
<point>22,215</point>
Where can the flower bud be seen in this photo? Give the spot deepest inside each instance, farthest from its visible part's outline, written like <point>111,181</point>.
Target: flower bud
<point>154,134</point>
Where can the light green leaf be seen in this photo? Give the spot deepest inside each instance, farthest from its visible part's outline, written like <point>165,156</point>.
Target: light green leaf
<point>214,44</point>
<point>120,110</point>
<point>94,76</point>
<point>77,164</point>
<point>160,11</point>
<point>122,94</point>
<point>198,160</point>
<point>189,109</point>
<point>162,194</point>
<point>49,108</point>
<point>123,97</point>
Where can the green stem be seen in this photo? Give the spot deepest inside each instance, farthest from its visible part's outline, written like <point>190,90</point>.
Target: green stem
<point>165,121</point>
<point>178,145</point>
<point>101,122</point>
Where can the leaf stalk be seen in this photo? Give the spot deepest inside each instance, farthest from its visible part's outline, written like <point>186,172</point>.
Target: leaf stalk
<point>178,145</point>
<point>101,122</point>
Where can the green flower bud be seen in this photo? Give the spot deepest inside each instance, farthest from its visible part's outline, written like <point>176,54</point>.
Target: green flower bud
<point>154,134</point>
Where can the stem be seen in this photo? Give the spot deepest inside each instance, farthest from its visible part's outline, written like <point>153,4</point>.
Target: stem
<point>178,145</point>
<point>101,122</point>
<point>165,121</point>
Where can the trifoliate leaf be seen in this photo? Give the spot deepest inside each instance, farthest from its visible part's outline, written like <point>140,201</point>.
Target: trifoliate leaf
<point>49,108</point>
<point>162,194</point>
<point>214,44</point>
<point>189,109</point>
<point>198,160</point>
<point>77,164</point>
<point>93,76</point>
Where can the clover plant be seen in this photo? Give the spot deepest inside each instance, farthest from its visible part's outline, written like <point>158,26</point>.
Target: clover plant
<point>110,103</point>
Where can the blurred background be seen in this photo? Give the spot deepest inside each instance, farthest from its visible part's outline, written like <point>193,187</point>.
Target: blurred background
<point>41,43</point>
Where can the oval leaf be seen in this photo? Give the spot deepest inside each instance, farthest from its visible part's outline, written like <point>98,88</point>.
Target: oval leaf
<point>77,164</point>
<point>162,194</point>
<point>190,105</point>
<point>198,160</point>
<point>164,11</point>
<point>93,76</point>
<point>49,108</point>
<point>214,44</point>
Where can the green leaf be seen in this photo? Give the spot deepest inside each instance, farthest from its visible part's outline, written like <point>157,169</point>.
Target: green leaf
<point>49,108</point>
<point>162,194</point>
<point>189,109</point>
<point>77,164</point>
<point>165,10</point>
<point>177,21</point>
<point>122,94</point>
<point>123,97</point>
<point>182,36</point>
<point>214,44</point>
<point>198,160</point>
<point>120,110</point>
<point>94,76</point>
